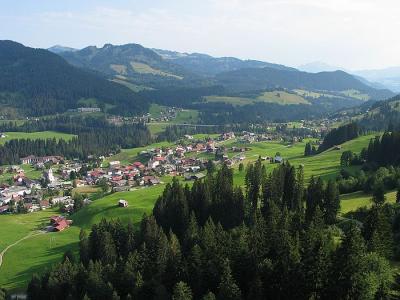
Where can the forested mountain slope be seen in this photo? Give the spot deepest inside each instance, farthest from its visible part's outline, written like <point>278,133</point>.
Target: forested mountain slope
<point>261,78</point>
<point>38,82</point>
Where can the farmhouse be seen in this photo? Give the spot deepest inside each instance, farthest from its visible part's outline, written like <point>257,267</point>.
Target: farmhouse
<point>32,159</point>
<point>59,223</point>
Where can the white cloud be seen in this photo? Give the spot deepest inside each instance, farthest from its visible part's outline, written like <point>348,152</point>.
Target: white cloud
<point>351,33</point>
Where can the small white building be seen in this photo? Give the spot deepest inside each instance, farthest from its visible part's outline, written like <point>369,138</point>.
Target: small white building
<point>122,203</point>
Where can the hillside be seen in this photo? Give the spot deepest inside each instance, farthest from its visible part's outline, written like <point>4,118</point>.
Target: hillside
<point>262,78</point>
<point>39,82</point>
<point>380,115</point>
<point>130,62</point>
<point>208,65</point>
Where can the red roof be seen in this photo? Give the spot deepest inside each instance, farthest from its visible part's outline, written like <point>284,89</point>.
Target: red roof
<point>61,225</point>
<point>56,219</point>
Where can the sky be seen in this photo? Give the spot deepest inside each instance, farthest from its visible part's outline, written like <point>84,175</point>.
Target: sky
<point>353,34</point>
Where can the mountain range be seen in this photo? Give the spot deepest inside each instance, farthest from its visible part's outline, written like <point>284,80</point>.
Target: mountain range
<point>155,68</point>
<point>379,78</point>
<point>125,79</point>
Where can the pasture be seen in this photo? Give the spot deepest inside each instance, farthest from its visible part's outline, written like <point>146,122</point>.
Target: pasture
<point>35,136</point>
<point>278,97</point>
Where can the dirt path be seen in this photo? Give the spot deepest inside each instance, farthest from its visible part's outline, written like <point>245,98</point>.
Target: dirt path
<point>15,243</point>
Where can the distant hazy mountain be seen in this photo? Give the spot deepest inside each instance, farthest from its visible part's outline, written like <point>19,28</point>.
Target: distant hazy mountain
<point>389,77</point>
<point>39,82</point>
<point>208,65</point>
<point>318,66</point>
<point>60,49</point>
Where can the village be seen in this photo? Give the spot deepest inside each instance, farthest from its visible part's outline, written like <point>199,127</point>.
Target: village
<point>187,159</point>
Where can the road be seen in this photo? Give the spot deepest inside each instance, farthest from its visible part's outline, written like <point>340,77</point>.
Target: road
<point>182,124</point>
<point>15,243</point>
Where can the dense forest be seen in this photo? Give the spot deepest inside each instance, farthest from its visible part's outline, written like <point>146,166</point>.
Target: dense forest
<point>340,135</point>
<point>276,239</point>
<point>90,141</point>
<point>37,82</point>
<point>383,151</point>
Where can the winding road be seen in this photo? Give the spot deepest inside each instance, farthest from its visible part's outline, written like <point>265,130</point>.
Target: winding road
<point>17,242</point>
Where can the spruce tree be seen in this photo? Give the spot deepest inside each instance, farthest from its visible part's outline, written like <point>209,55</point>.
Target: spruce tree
<point>228,290</point>
<point>331,205</point>
<point>398,195</point>
<point>209,296</point>
<point>182,292</point>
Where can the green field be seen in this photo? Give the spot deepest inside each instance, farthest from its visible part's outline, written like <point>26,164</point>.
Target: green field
<point>354,201</point>
<point>41,251</point>
<point>35,136</point>
<point>279,97</point>
<point>29,171</point>
<point>146,69</point>
<point>355,94</point>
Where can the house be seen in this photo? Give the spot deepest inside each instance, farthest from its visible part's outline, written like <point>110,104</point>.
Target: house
<point>122,203</point>
<point>115,163</point>
<point>32,159</point>
<point>154,181</point>
<point>278,159</point>
<point>62,200</point>
<point>44,204</point>
<point>4,209</point>
<point>2,135</point>
<point>338,147</point>
<point>227,136</point>
<point>88,109</point>
<point>198,176</point>
<point>59,223</point>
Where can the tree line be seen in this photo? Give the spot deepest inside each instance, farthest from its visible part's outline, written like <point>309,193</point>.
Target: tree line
<point>340,135</point>
<point>92,141</point>
<point>275,239</point>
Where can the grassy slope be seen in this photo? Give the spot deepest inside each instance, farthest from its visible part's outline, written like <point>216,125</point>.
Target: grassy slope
<point>279,97</point>
<point>354,201</point>
<point>30,172</point>
<point>35,135</point>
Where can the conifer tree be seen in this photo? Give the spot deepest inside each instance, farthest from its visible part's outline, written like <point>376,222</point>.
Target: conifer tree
<point>228,290</point>
<point>182,292</point>
<point>331,205</point>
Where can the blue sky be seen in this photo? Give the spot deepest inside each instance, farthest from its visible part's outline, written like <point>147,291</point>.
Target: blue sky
<point>355,34</point>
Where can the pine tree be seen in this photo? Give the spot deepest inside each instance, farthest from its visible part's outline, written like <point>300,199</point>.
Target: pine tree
<point>210,167</point>
<point>331,205</point>
<point>308,150</point>
<point>398,195</point>
<point>34,291</point>
<point>377,231</point>
<point>378,196</point>
<point>228,290</point>
<point>209,296</point>
<point>348,265</point>
<point>182,292</point>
